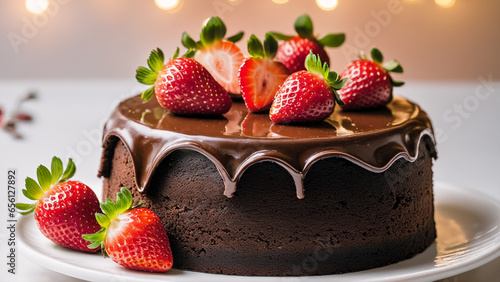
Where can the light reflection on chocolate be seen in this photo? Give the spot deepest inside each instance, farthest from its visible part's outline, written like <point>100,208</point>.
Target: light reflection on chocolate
<point>371,138</point>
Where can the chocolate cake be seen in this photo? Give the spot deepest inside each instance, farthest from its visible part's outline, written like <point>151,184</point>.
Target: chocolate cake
<point>241,195</point>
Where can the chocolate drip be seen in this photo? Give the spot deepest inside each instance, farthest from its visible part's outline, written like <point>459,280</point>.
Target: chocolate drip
<point>373,139</point>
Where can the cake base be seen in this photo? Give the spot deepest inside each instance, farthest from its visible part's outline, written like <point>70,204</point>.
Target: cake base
<point>350,220</point>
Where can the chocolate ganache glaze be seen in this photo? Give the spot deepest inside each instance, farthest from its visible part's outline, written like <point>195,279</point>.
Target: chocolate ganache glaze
<point>373,139</point>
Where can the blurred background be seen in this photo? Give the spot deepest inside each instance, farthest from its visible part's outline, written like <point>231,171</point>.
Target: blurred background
<point>432,39</point>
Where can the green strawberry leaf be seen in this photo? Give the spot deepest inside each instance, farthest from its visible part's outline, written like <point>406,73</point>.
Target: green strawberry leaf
<point>280,36</point>
<point>155,63</point>
<point>397,83</point>
<point>255,48</point>
<point>69,172</point>
<point>304,26</point>
<point>189,53</point>
<point>214,31</point>
<point>332,76</point>
<point>270,46</point>
<point>27,212</point>
<point>176,54</point>
<point>102,219</point>
<point>25,208</point>
<point>109,208</point>
<point>145,76</point>
<point>44,177</point>
<point>56,169</point>
<point>393,66</point>
<point>124,200</point>
<point>94,244</point>
<point>138,205</point>
<point>148,94</point>
<point>237,37</point>
<point>377,56</point>
<point>340,83</point>
<point>155,60</point>
<point>33,191</point>
<point>336,96</point>
<point>313,64</point>
<point>28,194</point>
<point>188,41</point>
<point>333,40</point>
<point>97,238</point>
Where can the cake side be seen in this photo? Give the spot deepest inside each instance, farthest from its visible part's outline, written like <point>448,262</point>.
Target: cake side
<point>351,219</point>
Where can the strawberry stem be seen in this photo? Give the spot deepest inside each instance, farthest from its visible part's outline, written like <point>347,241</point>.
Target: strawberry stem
<point>313,64</point>
<point>255,47</point>
<point>332,40</point>
<point>148,75</point>
<point>69,171</point>
<point>35,190</point>
<point>213,32</point>
<point>257,50</point>
<point>111,210</point>
<point>391,66</point>
<point>235,38</point>
<point>304,26</point>
<point>270,46</point>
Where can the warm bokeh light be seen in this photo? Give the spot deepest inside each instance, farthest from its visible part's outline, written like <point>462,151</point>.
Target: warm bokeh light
<point>280,1</point>
<point>37,6</point>
<point>413,1</point>
<point>445,3</point>
<point>327,5</point>
<point>167,4</point>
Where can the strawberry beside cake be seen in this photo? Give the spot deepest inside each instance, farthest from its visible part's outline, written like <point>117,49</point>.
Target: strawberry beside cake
<point>302,186</point>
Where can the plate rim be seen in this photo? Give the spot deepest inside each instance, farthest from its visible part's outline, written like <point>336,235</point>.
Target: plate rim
<point>440,189</point>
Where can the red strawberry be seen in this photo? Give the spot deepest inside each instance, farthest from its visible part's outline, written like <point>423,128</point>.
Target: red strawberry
<point>370,84</point>
<point>183,86</point>
<point>64,209</point>
<point>132,237</point>
<point>294,50</point>
<point>260,76</point>
<point>308,95</point>
<point>222,58</point>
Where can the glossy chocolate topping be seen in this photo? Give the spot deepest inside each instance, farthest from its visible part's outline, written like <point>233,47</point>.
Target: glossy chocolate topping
<point>373,139</point>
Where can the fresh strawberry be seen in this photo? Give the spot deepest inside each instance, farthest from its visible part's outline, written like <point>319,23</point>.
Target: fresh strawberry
<point>293,51</point>
<point>221,57</point>
<point>183,86</point>
<point>260,76</point>
<point>64,209</point>
<point>133,237</point>
<point>308,95</point>
<point>370,84</point>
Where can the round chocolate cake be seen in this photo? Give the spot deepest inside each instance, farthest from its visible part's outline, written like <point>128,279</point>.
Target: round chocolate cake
<point>241,195</point>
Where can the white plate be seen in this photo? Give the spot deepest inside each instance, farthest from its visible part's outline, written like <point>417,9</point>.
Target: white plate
<point>468,227</point>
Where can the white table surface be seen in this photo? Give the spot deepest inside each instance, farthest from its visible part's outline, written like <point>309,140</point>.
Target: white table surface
<point>69,115</point>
